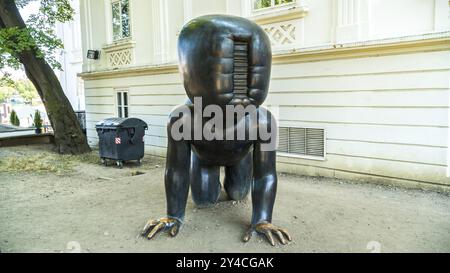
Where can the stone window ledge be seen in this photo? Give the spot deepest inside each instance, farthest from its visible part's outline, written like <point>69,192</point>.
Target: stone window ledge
<point>119,45</point>
<point>276,15</point>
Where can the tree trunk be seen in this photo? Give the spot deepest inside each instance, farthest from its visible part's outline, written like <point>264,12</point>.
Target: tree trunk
<point>69,138</point>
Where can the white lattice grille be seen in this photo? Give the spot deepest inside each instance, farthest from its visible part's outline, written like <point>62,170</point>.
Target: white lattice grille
<point>120,57</point>
<point>281,33</point>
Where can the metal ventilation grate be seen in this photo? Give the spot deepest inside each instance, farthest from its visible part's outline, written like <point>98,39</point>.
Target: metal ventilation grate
<point>283,136</point>
<point>302,141</point>
<point>240,76</point>
<point>315,144</point>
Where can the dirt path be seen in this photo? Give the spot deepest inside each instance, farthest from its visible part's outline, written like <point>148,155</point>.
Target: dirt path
<point>102,209</point>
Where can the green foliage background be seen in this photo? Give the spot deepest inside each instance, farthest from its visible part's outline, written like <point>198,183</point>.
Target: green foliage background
<point>37,120</point>
<point>22,87</point>
<point>14,119</point>
<point>39,36</point>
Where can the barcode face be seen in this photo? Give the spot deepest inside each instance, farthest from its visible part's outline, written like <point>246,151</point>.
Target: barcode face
<point>240,77</point>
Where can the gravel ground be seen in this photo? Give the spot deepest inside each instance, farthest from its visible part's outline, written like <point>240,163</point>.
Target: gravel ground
<point>80,205</point>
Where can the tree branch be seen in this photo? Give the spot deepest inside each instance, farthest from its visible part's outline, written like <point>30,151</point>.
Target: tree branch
<point>2,25</point>
<point>68,135</point>
<point>10,15</point>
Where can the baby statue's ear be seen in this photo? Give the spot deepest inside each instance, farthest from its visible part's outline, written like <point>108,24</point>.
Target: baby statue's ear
<point>225,60</point>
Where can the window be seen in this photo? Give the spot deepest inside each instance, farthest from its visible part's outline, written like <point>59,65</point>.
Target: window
<point>262,4</point>
<point>122,104</point>
<point>307,142</point>
<point>121,19</point>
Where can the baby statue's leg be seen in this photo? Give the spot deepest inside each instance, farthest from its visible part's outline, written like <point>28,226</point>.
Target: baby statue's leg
<point>205,183</point>
<point>238,178</point>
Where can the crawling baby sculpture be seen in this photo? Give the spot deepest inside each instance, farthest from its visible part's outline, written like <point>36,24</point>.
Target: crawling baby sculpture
<point>224,61</point>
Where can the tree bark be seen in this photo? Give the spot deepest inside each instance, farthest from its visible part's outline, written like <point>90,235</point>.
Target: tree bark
<point>69,137</point>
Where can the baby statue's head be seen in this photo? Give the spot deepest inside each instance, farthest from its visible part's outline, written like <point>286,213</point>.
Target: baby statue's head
<point>225,60</point>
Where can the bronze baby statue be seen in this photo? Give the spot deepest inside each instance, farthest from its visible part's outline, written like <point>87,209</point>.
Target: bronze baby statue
<point>225,62</point>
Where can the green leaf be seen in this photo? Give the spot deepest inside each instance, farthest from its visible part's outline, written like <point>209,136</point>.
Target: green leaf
<point>39,36</point>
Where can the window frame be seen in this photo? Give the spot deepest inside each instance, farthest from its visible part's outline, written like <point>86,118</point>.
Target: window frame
<point>282,13</point>
<point>120,105</point>
<point>122,38</point>
<point>272,8</point>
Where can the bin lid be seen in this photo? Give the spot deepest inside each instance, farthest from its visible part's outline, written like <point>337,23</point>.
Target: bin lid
<point>121,123</point>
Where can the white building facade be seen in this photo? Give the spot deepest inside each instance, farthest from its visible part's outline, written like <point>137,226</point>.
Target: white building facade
<point>361,87</point>
<point>71,59</point>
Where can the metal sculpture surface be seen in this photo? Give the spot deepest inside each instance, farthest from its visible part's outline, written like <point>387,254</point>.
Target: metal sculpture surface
<point>225,62</point>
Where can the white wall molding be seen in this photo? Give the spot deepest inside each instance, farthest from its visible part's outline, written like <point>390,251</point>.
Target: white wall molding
<point>412,44</point>
<point>108,21</point>
<point>187,9</point>
<point>441,15</point>
<point>160,31</point>
<point>401,45</point>
<point>88,64</point>
<point>352,21</point>
<point>165,32</point>
<point>236,8</point>
<point>131,72</point>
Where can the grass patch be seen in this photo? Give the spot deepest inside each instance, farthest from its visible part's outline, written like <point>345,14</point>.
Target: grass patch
<point>89,158</point>
<point>46,163</point>
<point>42,163</point>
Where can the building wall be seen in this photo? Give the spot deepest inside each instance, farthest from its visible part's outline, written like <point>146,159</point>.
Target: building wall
<point>385,12</point>
<point>386,116</point>
<point>382,98</point>
<point>155,24</point>
<point>71,59</point>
